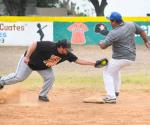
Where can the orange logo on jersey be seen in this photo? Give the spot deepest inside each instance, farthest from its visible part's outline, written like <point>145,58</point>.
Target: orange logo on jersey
<point>53,60</point>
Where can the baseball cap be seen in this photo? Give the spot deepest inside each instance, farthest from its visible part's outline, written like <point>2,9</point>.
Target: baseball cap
<point>65,44</point>
<point>115,16</point>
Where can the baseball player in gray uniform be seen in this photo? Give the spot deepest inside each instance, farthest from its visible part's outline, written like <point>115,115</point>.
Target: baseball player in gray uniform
<point>41,57</point>
<point>124,53</point>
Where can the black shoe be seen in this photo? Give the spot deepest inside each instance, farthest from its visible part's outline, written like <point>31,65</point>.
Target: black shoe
<point>43,98</point>
<point>1,86</point>
<point>117,94</point>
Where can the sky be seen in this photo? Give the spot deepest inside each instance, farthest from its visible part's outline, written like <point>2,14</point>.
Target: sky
<point>125,7</point>
<point>129,7</point>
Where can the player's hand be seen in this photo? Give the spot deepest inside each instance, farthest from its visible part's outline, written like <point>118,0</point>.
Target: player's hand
<point>147,45</point>
<point>26,60</point>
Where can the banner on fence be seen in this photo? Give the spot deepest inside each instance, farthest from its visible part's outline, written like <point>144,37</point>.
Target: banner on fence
<point>24,33</point>
<point>83,32</point>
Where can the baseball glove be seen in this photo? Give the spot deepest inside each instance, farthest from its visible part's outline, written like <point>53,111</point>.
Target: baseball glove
<point>101,63</point>
<point>101,28</point>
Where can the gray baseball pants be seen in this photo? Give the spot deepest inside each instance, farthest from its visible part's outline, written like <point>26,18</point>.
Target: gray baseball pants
<point>23,71</point>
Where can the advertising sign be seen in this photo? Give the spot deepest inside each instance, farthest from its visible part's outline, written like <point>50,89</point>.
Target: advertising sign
<point>24,33</point>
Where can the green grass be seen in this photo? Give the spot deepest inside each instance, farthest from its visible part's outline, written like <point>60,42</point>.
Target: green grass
<point>136,81</point>
<point>137,78</point>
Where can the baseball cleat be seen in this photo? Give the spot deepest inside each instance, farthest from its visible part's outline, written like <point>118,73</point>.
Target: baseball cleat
<point>43,98</point>
<point>117,94</point>
<point>1,86</point>
<point>109,99</point>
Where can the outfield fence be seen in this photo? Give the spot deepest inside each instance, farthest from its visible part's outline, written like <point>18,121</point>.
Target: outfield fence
<point>20,30</point>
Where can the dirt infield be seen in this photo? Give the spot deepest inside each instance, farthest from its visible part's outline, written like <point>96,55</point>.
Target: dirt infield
<point>66,108</point>
<point>21,106</point>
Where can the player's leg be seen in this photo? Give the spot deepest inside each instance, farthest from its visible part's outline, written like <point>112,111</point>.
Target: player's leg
<point>48,77</point>
<point>117,82</point>
<point>109,86</point>
<point>112,79</point>
<point>117,76</point>
<point>108,79</point>
<point>22,72</point>
<point>111,75</point>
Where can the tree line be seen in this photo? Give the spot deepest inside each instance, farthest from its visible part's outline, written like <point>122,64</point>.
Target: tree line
<point>19,7</point>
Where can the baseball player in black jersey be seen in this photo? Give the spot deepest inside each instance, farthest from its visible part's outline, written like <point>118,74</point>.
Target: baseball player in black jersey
<point>41,57</point>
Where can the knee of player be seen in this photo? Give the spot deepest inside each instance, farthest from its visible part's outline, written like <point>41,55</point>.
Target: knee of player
<point>50,78</point>
<point>19,78</point>
<point>53,78</point>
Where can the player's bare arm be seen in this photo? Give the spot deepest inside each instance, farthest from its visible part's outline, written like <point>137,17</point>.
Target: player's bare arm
<point>103,45</point>
<point>30,50</point>
<point>145,39</point>
<point>84,62</point>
